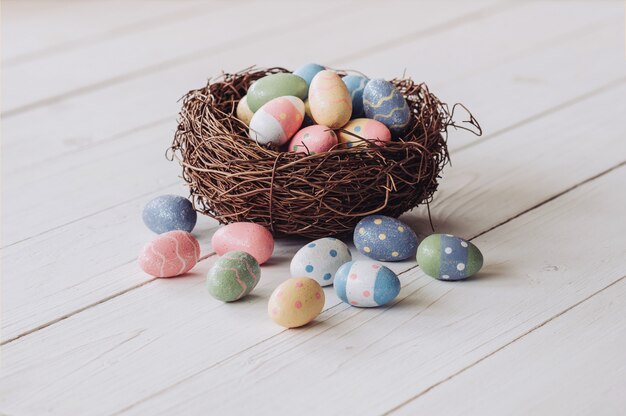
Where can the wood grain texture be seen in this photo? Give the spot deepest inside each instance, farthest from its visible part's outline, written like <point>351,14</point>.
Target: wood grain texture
<point>106,279</point>
<point>87,333</point>
<point>130,335</point>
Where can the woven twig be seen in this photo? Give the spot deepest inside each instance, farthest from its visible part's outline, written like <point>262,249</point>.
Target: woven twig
<point>233,178</point>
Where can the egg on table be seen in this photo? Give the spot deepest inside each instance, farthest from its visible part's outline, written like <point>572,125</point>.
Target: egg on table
<point>248,237</point>
<point>356,85</point>
<point>277,121</point>
<point>273,86</point>
<point>170,254</point>
<point>320,260</point>
<point>383,102</point>
<point>384,238</point>
<point>169,212</point>
<point>233,276</point>
<point>329,100</point>
<point>366,284</point>
<point>447,257</point>
<point>313,139</point>
<point>296,302</point>
<point>362,130</point>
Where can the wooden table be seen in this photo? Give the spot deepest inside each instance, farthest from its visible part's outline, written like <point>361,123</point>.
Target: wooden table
<point>89,105</point>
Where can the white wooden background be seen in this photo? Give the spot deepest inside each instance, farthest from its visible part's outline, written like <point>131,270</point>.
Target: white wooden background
<point>89,104</point>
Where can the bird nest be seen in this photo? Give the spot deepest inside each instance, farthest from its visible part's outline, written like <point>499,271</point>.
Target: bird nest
<point>233,178</point>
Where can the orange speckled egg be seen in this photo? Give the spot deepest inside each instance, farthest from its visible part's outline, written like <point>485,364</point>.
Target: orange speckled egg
<point>296,302</point>
<point>366,128</point>
<point>329,100</point>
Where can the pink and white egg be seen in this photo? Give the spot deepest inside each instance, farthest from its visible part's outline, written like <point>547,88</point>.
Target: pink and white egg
<point>170,254</point>
<point>277,120</point>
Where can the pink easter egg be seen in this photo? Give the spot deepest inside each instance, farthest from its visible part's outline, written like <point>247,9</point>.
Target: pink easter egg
<point>170,254</point>
<point>249,237</point>
<point>316,139</point>
<point>370,130</point>
<point>277,120</point>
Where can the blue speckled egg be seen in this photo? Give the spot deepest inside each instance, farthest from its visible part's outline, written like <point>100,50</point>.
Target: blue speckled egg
<point>385,238</point>
<point>307,72</point>
<point>320,260</point>
<point>356,84</point>
<point>366,284</point>
<point>384,103</point>
<point>169,212</point>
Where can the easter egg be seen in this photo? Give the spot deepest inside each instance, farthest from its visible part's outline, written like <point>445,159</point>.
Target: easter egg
<point>313,139</point>
<point>383,102</point>
<point>446,257</point>
<point>277,120</point>
<point>243,111</point>
<point>384,238</point>
<point>170,254</point>
<point>329,100</point>
<point>296,302</point>
<point>249,237</point>
<point>169,212</point>
<point>366,284</point>
<point>233,276</point>
<point>307,72</point>
<point>356,84</point>
<point>320,260</point>
<point>273,86</point>
<point>371,130</point>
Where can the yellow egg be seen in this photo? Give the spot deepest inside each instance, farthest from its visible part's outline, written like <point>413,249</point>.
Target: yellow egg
<point>296,302</point>
<point>243,111</point>
<point>330,100</point>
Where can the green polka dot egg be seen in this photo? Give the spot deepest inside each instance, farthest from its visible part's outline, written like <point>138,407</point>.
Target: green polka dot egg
<point>447,257</point>
<point>233,276</point>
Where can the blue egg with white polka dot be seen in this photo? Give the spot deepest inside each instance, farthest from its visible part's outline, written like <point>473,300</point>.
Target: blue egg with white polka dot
<point>320,260</point>
<point>168,213</point>
<point>385,239</point>
<point>356,84</point>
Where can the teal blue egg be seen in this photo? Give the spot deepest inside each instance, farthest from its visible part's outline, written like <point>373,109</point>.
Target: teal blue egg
<point>307,72</point>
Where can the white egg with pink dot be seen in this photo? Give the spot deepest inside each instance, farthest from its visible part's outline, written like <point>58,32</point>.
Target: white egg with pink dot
<point>366,284</point>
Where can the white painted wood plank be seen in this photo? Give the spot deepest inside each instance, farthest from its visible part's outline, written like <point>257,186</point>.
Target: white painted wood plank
<point>545,94</point>
<point>573,365</point>
<point>103,279</point>
<point>168,46</point>
<point>33,29</point>
<point>367,361</point>
<point>160,104</point>
<point>130,348</point>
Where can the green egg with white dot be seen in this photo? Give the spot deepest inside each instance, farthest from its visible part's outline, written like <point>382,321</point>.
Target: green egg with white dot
<point>447,257</point>
<point>320,260</point>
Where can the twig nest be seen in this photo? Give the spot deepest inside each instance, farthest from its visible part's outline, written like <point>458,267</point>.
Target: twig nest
<point>233,177</point>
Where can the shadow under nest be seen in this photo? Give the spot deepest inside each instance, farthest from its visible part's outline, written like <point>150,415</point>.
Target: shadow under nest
<point>232,178</point>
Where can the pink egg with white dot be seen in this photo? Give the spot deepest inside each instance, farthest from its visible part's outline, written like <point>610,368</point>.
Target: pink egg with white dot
<point>170,254</point>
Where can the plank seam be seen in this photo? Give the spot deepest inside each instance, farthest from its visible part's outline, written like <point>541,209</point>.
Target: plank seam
<point>540,325</point>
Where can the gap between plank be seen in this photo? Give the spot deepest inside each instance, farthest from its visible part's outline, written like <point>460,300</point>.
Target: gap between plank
<point>192,56</point>
<point>540,325</point>
<point>115,32</point>
<point>191,376</point>
<point>516,125</point>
